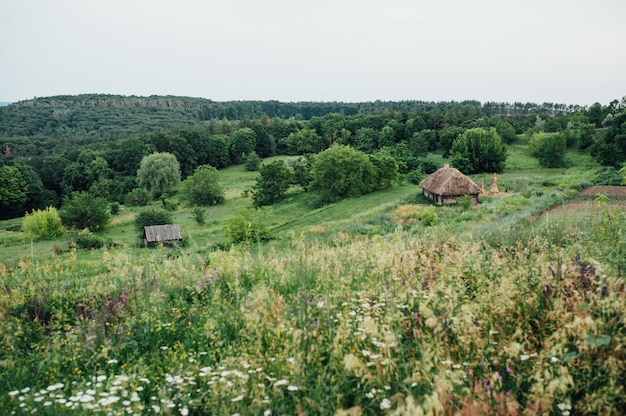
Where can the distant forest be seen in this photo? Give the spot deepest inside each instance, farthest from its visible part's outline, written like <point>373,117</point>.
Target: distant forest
<point>94,143</point>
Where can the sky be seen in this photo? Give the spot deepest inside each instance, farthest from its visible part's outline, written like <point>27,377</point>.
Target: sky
<point>569,51</point>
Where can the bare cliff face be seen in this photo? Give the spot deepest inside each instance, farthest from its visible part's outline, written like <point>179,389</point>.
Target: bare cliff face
<point>116,101</point>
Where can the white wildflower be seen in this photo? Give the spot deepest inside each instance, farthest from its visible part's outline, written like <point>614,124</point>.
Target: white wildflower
<point>281,383</point>
<point>385,404</point>
<point>292,388</point>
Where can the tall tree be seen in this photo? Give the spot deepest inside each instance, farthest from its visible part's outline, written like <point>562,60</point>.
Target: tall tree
<point>479,150</point>
<point>13,192</point>
<point>167,142</point>
<point>341,172</point>
<point>242,142</point>
<point>125,159</point>
<point>272,184</point>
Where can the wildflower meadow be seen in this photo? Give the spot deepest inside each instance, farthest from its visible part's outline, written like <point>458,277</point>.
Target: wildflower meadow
<point>380,314</point>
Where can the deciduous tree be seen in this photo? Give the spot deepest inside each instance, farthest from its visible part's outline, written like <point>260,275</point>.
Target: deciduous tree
<point>482,149</point>
<point>159,172</point>
<point>342,172</point>
<point>13,192</point>
<point>272,184</point>
<point>84,210</point>
<point>203,187</point>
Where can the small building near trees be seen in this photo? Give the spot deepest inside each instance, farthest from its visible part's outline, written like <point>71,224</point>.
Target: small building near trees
<point>447,185</point>
<point>166,233</point>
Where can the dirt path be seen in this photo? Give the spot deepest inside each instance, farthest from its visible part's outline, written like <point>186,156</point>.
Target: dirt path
<point>585,201</point>
<point>610,191</point>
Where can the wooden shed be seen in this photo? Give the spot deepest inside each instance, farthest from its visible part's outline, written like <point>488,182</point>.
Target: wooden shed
<point>162,233</point>
<point>447,185</point>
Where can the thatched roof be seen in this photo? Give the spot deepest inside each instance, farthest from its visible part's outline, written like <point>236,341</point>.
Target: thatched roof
<point>449,181</point>
<point>166,232</point>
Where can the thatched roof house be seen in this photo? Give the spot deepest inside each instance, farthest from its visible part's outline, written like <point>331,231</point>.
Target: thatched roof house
<point>162,233</point>
<point>448,185</point>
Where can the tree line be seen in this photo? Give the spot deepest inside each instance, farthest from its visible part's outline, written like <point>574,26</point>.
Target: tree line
<point>39,171</point>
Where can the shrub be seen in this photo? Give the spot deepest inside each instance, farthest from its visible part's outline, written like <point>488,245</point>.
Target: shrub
<point>114,208</point>
<point>249,225</point>
<point>415,177</point>
<point>152,216</point>
<point>44,224</point>
<point>199,215</point>
<point>253,162</point>
<point>138,197</point>
<point>168,203</point>
<point>549,149</point>
<point>86,239</point>
<point>429,216</point>
<point>465,202</point>
<point>427,166</point>
<point>203,187</point>
<point>83,210</point>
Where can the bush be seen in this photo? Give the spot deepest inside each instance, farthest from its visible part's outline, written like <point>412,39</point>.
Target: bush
<point>249,225</point>
<point>83,210</point>
<point>199,215</point>
<point>549,149</point>
<point>168,203</point>
<point>253,162</point>
<point>415,177</point>
<point>44,224</point>
<point>138,197</point>
<point>114,208</point>
<point>465,202</point>
<point>427,166</point>
<point>429,216</point>
<point>86,239</point>
<point>153,216</point>
<point>203,187</point>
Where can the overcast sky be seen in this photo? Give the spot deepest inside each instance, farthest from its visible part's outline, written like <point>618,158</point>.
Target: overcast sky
<point>570,51</point>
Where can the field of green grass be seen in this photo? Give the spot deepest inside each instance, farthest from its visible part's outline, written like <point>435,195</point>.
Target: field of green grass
<point>357,308</point>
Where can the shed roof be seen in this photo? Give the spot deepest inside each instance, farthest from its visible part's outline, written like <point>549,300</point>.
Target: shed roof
<point>165,232</point>
<point>449,181</point>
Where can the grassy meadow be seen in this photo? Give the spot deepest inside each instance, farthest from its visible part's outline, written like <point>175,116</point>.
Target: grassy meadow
<point>356,308</point>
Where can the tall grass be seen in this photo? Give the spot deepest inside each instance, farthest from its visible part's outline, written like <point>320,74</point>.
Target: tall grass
<point>371,323</point>
<point>357,308</point>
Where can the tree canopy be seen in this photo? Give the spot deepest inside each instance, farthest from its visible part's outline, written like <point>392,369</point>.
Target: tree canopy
<point>83,210</point>
<point>479,150</point>
<point>341,172</point>
<point>203,187</point>
<point>159,172</point>
<point>13,191</point>
<point>272,184</point>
